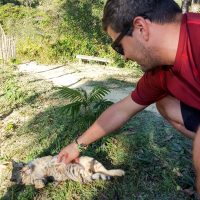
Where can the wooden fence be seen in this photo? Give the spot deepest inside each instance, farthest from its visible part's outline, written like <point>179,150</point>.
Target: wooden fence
<point>7,46</point>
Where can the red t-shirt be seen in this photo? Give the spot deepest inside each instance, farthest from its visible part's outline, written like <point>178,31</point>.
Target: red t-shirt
<point>182,80</point>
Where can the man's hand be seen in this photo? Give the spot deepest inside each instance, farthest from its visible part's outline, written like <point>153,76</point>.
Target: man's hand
<point>69,153</point>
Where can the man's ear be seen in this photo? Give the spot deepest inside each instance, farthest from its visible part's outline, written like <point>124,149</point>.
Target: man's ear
<point>141,27</point>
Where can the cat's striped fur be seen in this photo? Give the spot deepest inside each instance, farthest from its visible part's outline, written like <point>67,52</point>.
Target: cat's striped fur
<point>39,171</point>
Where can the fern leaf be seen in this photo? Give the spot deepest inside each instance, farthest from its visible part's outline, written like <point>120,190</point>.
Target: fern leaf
<point>72,109</point>
<point>72,94</point>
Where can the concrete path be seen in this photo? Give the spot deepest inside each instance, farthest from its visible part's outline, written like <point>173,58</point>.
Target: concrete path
<point>84,76</point>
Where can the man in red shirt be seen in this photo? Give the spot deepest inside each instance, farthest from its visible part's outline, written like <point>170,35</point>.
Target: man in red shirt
<point>166,44</point>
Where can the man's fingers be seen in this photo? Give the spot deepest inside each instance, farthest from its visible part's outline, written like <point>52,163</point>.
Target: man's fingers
<point>76,160</point>
<point>66,159</point>
<point>60,157</point>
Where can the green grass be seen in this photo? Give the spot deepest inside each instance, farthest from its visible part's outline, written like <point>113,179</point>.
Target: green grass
<point>156,158</point>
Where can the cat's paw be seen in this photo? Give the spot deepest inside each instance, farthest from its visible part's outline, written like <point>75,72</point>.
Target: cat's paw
<point>39,184</point>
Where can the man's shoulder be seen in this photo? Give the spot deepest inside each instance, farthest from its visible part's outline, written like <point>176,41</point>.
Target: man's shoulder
<point>193,18</point>
<point>193,28</point>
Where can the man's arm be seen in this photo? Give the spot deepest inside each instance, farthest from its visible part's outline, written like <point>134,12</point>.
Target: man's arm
<point>110,120</point>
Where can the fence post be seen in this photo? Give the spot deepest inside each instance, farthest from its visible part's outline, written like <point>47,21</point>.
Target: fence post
<point>7,46</point>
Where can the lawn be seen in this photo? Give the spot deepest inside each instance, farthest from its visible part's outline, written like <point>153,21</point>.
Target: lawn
<point>155,157</point>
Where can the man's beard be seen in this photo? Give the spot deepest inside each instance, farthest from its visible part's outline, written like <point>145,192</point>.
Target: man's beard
<point>150,60</point>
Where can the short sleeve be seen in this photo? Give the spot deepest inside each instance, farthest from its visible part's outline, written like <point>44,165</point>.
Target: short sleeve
<point>150,88</point>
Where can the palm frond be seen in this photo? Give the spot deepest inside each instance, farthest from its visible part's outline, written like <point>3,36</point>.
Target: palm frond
<point>98,93</point>
<point>72,109</point>
<point>92,104</point>
<point>84,94</point>
<point>101,105</point>
<point>72,94</point>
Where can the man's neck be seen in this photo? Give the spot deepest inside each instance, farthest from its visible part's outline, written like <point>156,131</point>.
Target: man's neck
<point>166,39</point>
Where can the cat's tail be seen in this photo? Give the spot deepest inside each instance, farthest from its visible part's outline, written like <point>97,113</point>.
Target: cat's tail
<point>98,167</point>
<point>114,172</point>
<point>106,175</point>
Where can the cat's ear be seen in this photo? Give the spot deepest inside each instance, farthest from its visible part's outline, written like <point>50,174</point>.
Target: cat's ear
<point>14,163</point>
<point>17,164</point>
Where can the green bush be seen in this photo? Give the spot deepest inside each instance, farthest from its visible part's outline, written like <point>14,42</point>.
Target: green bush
<point>56,32</point>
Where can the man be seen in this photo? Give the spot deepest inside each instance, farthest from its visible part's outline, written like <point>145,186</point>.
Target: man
<point>166,44</point>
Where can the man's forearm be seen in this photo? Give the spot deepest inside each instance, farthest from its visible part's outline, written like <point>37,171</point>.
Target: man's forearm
<point>110,120</point>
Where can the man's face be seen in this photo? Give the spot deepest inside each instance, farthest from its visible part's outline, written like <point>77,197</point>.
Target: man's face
<point>135,49</point>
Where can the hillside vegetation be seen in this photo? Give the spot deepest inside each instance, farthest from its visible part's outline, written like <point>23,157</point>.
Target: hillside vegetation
<point>56,31</point>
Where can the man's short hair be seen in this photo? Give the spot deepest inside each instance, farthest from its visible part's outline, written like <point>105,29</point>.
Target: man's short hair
<point>118,14</point>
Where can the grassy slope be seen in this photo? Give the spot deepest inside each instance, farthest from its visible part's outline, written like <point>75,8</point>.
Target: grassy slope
<point>156,158</point>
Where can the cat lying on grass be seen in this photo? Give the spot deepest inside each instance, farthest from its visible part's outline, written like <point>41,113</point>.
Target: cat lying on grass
<point>43,170</point>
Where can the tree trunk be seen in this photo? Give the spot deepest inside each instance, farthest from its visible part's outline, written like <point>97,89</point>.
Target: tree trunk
<point>185,5</point>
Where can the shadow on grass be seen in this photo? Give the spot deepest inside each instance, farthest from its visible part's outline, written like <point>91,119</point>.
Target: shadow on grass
<point>157,162</point>
<point>19,192</point>
<point>149,151</point>
<point>113,83</point>
<point>156,159</point>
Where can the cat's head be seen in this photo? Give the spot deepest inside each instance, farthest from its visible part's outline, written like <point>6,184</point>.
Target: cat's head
<point>21,172</point>
<point>16,172</point>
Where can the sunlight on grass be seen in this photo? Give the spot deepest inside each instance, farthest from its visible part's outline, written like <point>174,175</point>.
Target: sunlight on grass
<point>156,159</point>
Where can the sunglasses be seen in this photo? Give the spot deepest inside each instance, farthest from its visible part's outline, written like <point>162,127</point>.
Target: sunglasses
<point>116,44</point>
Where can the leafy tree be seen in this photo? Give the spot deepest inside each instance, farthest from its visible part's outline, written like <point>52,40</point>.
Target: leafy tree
<point>3,2</point>
<point>185,5</point>
<point>195,6</point>
<point>29,3</point>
